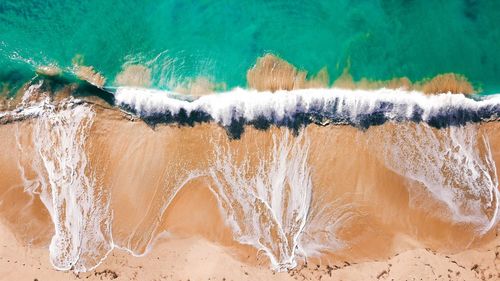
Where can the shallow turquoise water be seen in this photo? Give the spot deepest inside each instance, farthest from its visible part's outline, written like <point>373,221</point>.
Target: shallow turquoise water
<point>222,39</point>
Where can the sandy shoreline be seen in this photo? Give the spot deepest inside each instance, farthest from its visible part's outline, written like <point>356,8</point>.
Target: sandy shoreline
<point>380,222</point>
<point>198,259</point>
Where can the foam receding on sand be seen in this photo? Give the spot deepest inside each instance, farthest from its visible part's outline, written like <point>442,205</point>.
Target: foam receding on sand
<point>269,208</point>
<point>76,203</point>
<point>276,197</point>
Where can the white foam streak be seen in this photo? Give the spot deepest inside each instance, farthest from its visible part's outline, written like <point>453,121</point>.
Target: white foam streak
<point>78,207</point>
<point>270,207</point>
<point>450,164</point>
<point>325,219</point>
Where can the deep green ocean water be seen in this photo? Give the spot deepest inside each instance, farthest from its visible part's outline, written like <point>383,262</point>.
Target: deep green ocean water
<point>178,39</point>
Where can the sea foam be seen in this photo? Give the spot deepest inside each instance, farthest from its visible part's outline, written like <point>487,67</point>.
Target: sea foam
<point>359,108</point>
<point>270,206</point>
<point>455,165</point>
<point>78,206</point>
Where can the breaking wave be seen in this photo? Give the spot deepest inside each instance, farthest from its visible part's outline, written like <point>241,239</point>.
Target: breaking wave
<point>293,109</point>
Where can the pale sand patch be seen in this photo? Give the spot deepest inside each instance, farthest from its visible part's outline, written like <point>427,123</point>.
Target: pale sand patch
<point>272,73</point>
<point>199,86</point>
<point>49,70</point>
<point>89,74</point>
<point>135,75</point>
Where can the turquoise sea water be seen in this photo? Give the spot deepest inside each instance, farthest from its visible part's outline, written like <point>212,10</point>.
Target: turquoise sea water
<point>222,39</point>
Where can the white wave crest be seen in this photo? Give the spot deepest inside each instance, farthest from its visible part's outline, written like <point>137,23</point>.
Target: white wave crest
<point>249,104</point>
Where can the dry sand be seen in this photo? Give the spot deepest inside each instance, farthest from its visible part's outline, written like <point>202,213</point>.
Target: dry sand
<point>175,258</point>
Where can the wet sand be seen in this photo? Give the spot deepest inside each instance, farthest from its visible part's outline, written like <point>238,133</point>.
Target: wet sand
<point>147,174</point>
